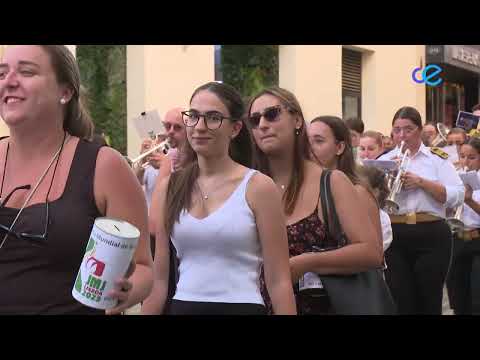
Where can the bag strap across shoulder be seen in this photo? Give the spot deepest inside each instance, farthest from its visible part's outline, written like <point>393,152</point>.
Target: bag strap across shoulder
<point>330,216</point>
<point>324,180</point>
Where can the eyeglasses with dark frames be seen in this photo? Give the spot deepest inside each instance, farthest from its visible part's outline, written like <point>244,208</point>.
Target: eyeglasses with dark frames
<point>213,119</point>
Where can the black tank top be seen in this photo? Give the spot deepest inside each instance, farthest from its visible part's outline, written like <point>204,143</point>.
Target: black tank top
<point>39,280</point>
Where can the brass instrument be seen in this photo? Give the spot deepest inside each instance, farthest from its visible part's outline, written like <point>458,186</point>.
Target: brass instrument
<point>391,206</point>
<point>441,139</point>
<point>474,133</point>
<point>455,223</point>
<point>163,146</point>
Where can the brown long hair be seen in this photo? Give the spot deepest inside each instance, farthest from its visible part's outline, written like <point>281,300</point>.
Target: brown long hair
<point>346,161</point>
<point>301,149</point>
<point>77,120</point>
<point>183,182</point>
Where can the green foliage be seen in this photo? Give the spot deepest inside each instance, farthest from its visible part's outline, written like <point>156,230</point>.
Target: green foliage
<point>103,70</point>
<point>250,68</point>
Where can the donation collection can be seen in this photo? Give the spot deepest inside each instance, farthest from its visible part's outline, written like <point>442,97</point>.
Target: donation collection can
<point>108,254</point>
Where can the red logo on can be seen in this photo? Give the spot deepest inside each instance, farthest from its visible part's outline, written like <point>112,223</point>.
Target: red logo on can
<point>97,264</point>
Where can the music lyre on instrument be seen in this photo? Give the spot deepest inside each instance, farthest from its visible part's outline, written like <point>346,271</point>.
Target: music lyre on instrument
<point>391,206</point>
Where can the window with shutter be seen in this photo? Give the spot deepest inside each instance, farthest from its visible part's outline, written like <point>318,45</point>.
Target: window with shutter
<point>351,83</point>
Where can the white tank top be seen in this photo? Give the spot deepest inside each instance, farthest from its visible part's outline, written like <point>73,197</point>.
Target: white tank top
<point>220,255</point>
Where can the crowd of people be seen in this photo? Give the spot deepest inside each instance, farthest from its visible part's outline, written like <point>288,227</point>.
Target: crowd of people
<point>233,216</point>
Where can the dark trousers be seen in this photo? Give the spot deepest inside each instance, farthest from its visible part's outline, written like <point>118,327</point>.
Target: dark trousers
<point>417,265</point>
<point>463,283</point>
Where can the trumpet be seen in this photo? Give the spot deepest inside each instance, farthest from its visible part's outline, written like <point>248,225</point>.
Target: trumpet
<point>163,146</point>
<point>455,223</point>
<point>391,206</point>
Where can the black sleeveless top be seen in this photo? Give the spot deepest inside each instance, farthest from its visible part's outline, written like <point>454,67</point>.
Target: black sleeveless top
<point>39,280</point>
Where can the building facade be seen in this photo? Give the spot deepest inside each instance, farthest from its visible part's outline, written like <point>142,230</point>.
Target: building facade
<point>461,79</point>
<point>370,81</point>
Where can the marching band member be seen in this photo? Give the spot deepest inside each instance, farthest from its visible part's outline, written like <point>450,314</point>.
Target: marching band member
<point>371,145</point>
<point>419,256</point>
<point>429,133</point>
<point>456,136</point>
<point>463,282</point>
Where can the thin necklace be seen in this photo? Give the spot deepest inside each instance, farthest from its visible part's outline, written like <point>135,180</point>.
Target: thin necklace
<point>206,196</point>
<point>55,157</point>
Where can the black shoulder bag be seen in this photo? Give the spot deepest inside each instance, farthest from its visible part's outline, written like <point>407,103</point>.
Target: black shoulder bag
<point>364,293</point>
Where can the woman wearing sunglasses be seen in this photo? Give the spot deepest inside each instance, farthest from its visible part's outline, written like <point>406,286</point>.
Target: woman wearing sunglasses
<point>282,152</point>
<point>54,184</point>
<point>223,218</point>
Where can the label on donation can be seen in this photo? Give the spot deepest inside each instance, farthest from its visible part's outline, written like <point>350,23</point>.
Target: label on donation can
<point>108,254</point>
<point>310,281</point>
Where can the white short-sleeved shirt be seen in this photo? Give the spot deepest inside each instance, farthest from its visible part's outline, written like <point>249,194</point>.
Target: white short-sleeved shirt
<point>149,178</point>
<point>434,168</point>
<point>470,218</point>
<point>387,233</point>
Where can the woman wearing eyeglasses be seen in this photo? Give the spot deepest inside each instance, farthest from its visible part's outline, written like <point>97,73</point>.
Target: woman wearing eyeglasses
<point>419,257</point>
<point>282,152</point>
<point>223,218</point>
<point>54,184</point>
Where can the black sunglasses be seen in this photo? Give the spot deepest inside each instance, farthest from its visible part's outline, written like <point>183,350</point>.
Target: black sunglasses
<point>31,238</point>
<point>270,114</point>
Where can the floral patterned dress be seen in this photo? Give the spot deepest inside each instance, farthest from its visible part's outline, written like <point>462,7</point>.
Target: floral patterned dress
<point>306,235</point>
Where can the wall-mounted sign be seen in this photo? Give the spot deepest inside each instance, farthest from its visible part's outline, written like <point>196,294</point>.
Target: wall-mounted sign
<point>466,55</point>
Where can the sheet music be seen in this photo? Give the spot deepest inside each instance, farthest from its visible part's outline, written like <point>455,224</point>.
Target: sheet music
<point>470,178</point>
<point>381,164</point>
<point>147,123</point>
<point>467,121</point>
